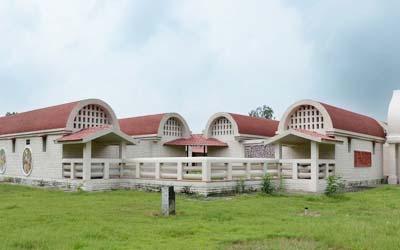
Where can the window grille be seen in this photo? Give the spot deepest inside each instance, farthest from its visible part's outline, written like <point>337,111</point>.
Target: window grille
<point>173,127</point>
<point>91,116</point>
<point>221,126</point>
<point>306,117</point>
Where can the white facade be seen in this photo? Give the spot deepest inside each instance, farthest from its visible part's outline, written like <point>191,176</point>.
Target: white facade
<point>170,127</point>
<point>307,122</point>
<point>224,127</point>
<point>92,148</point>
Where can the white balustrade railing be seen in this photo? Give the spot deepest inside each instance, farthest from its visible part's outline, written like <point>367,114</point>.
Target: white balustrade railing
<point>204,169</point>
<point>100,168</point>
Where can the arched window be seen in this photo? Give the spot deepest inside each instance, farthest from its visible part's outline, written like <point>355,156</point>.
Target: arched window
<point>91,116</point>
<point>173,127</point>
<point>306,117</point>
<point>221,126</point>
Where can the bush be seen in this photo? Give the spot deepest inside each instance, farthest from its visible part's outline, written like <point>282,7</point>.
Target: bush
<point>267,185</point>
<point>334,186</point>
<point>187,190</point>
<point>240,186</point>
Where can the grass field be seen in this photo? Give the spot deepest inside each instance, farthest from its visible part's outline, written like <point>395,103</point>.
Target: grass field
<point>47,219</point>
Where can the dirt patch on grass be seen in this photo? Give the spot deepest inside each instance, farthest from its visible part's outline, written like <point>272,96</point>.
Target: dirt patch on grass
<point>278,243</point>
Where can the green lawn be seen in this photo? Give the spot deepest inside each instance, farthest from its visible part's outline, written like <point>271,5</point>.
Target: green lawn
<point>47,219</point>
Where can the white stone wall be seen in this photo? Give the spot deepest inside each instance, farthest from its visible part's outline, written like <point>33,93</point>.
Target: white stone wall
<point>101,150</point>
<point>151,148</point>
<point>345,160</point>
<point>45,164</point>
<point>297,152</point>
<point>234,149</point>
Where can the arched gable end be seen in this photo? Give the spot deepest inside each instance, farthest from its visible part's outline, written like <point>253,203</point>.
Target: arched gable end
<point>104,114</point>
<point>306,115</point>
<point>218,121</point>
<point>173,125</point>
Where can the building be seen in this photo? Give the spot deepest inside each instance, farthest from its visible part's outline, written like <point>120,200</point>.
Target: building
<point>34,144</point>
<point>83,145</point>
<point>153,132</point>
<point>324,139</point>
<point>242,134</point>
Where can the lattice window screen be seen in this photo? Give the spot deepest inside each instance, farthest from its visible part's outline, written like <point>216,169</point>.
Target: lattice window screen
<point>222,126</point>
<point>306,117</point>
<point>173,127</point>
<point>91,116</point>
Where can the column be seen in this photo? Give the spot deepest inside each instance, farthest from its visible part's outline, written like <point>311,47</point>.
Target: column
<point>179,172</point>
<point>157,173</point>
<point>122,156</point>
<point>122,150</point>
<point>87,161</point>
<point>314,166</point>
<point>229,171</point>
<point>106,175</point>
<point>72,170</point>
<point>248,170</point>
<point>206,171</point>
<point>295,171</point>
<point>392,164</point>
<point>278,151</point>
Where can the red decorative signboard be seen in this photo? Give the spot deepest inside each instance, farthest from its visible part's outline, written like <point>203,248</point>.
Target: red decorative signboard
<point>362,159</point>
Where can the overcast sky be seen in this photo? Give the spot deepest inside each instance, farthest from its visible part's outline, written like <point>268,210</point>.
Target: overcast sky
<point>199,57</point>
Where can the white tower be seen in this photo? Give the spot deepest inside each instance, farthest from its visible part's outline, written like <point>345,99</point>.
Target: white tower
<point>393,139</point>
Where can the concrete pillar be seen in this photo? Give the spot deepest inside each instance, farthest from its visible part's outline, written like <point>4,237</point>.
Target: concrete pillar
<point>179,171</point>
<point>265,168</point>
<point>138,165</point>
<point>157,173</point>
<point>206,171</point>
<point>248,170</point>
<point>122,150</point>
<point>72,170</point>
<point>392,164</point>
<point>106,174</point>
<point>314,166</point>
<point>190,151</point>
<point>168,200</point>
<point>87,161</point>
<point>278,151</point>
<point>229,176</point>
<point>295,171</point>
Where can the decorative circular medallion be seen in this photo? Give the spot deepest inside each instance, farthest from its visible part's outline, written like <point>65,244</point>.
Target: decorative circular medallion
<point>3,161</point>
<point>27,161</point>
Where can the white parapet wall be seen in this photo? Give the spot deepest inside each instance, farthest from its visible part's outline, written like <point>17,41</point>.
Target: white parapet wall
<point>202,175</point>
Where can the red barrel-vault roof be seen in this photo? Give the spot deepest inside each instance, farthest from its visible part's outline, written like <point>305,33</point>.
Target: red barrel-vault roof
<point>141,125</point>
<point>255,126</point>
<point>349,121</point>
<point>55,117</point>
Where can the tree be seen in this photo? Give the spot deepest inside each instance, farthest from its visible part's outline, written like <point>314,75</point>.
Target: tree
<point>11,113</point>
<point>263,112</point>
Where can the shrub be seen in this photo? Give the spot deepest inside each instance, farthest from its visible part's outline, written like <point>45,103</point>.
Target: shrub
<point>240,186</point>
<point>187,190</point>
<point>334,186</point>
<point>267,185</point>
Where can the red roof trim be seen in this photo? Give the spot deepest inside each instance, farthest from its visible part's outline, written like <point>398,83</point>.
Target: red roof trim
<point>317,135</point>
<point>255,126</point>
<point>54,117</point>
<point>197,140</point>
<point>82,134</point>
<point>349,121</point>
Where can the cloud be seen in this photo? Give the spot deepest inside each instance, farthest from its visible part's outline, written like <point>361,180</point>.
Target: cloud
<point>193,57</point>
<point>198,57</point>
